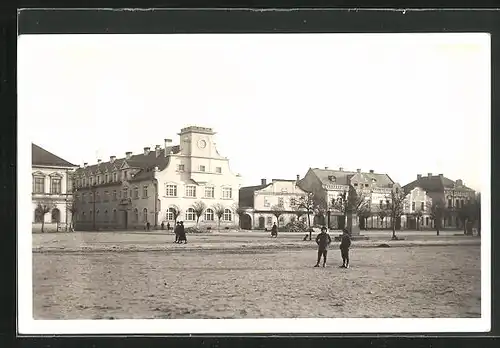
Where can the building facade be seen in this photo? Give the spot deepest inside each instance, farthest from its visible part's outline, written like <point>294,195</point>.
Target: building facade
<point>52,188</point>
<point>328,184</point>
<point>417,210</point>
<point>160,185</point>
<point>259,203</point>
<point>452,194</point>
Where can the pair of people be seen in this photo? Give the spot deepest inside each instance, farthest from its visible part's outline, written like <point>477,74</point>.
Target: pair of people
<point>180,233</point>
<point>323,240</point>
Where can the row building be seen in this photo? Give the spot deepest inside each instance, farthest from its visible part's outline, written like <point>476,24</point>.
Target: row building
<point>189,182</point>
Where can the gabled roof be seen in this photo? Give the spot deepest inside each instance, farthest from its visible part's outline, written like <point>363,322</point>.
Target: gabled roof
<point>139,161</point>
<point>435,183</point>
<point>343,177</point>
<point>246,194</point>
<point>42,157</point>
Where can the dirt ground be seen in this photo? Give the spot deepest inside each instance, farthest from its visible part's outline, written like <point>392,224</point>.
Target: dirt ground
<point>418,281</point>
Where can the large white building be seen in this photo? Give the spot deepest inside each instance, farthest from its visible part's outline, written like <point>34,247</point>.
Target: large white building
<point>129,192</point>
<point>51,191</point>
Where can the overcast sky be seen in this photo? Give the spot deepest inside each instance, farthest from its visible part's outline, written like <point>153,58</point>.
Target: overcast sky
<point>280,103</point>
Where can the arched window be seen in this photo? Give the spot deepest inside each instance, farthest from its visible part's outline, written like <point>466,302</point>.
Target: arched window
<point>136,215</point>
<point>114,215</point>
<point>97,214</point>
<point>190,214</point>
<point>56,215</point>
<point>228,215</point>
<point>209,215</point>
<point>38,216</point>
<point>106,217</point>
<point>83,216</point>
<point>145,215</point>
<point>170,214</point>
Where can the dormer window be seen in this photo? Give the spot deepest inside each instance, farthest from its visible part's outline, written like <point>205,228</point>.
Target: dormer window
<point>332,178</point>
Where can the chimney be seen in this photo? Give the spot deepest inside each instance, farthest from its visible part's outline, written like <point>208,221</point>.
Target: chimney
<point>459,182</point>
<point>128,154</point>
<point>168,142</point>
<point>146,150</point>
<point>358,170</point>
<point>341,169</point>
<point>419,176</point>
<point>157,150</point>
<point>326,168</point>
<point>429,175</point>
<point>112,159</point>
<point>440,175</point>
<point>98,161</point>
<point>371,171</point>
<point>263,181</point>
<point>85,165</point>
<point>298,177</point>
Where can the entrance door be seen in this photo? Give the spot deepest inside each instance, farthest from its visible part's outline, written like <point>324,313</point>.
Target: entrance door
<point>246,222</point>
<point>262,222</point>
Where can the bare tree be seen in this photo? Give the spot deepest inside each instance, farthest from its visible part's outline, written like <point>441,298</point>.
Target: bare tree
<point>176,212</point>
<point>438,211</point>
<point>72,208</point>
<point>350,202</point>
<point>396,206</point>
<point>364,213</point>
<point>42,208</point>
<point>277,211</point>
<point>199,208</point>
<point>219,212</point>
<point>418,217</point>
<point>305,204</point>
<point>464,214</point>
<point>320,204</point>
<point>239,211</point>
<point>382,214</point>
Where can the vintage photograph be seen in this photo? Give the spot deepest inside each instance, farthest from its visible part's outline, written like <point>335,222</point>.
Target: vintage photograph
<point>254,176</point>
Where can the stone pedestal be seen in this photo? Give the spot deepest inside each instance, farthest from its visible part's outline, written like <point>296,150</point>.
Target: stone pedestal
<point>352,225</point>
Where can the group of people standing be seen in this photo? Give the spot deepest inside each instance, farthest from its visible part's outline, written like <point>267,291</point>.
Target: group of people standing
<point>323,240</point>
<point>180,233</point>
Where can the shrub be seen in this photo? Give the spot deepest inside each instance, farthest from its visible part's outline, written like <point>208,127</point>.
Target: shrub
<point>192,230</point>
<point>294,226</point>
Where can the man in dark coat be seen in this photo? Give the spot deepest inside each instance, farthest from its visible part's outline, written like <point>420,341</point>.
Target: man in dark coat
<point>323,240</point>
<point>176,231</point>
<point>345,244</point>
<point>274,231</point>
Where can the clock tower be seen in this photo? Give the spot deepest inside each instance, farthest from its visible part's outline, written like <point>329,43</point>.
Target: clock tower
<point>198,142</point>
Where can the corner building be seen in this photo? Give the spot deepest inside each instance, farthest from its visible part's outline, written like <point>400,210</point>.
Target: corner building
<point>127,193</point>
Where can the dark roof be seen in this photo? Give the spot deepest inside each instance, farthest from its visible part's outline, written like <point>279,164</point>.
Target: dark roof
<point>246,195</point>
<point>435,183</point>
<point>40,156</point>
<point>343,177</point>
<point>144,162</point>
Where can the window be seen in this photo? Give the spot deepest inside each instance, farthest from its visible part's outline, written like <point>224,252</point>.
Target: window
<point>125,193</point>
<point>38,184</point>
<point>171,190</point>
<point>422,206</point>
<point>190,191</point>
<point>218,170</point>
<point>125,175</point>
<point>98,179</point>
<point>145,215</point>
<point>97,197</point>
<point>209,215</point>
<point>180,167</point>
<point>136,192</point>
<point>281,202</point>
<point>355,184</point>
<point>209,192</point>
<point>115,176</point>
<point>84,181</point>
<point>97,214</point>
<point>293,202</point>
<point>91,197</point>
<point>412,205</point>
<point>190,214</point>
<point>381,204</point>
<point>91,180</point>
<point>227,192</point>
<point>106,196</point>
<point>114,215</point>
<point>387,204</point>
<point>84,198</point>
<point>55,186</point>
<point>427,221</point>
<point>269,220</point>
<point>282,219</point>
<point>202,168</point>
<point>145,191</point>
<point>228,215</point>
<point>366,185</point>
<point>106,178</point>
<point>106,217</point>
<point>170,214</point>
<point>449,203</point>
<point>266,202</point>
<point>55,215</point>
<point>114,195</point>
<point>83,216</point>
<point>462,203</point>
<point>457,203</point>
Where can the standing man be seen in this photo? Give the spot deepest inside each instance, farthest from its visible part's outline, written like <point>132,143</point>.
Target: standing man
<point>345,244</point>
<point>323,240</point>
<point>182,233</point>
<point>176,231</point>
<point>274,231</point>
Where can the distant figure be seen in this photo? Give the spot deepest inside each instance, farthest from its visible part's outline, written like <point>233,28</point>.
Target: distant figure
<point>305,237</point>
<point>168,226</point>
<point>182,233</point>
<point>176,231</point>
<point>323,240</point>
<point>274,231</point>
<point>345,244</point>
<point>148,225</point>
<point>162,226</point>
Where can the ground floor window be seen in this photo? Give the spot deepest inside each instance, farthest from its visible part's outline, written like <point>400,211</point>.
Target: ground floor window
<point>190,214</point>
<point>228,215</point>
<point>55,215</point>
<point>209,215</point>
<point>145,215</point>
<point>136,215</point>
<point>269,220</point>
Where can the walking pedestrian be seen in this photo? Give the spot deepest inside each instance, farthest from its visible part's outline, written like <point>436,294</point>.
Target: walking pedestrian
<point>345,244</point>
<point>176,231</point>
<point>274,231</point>
<point>182,233</point>
<point>168,226</point>
<point>148,225</point>
<point>323,240</point>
